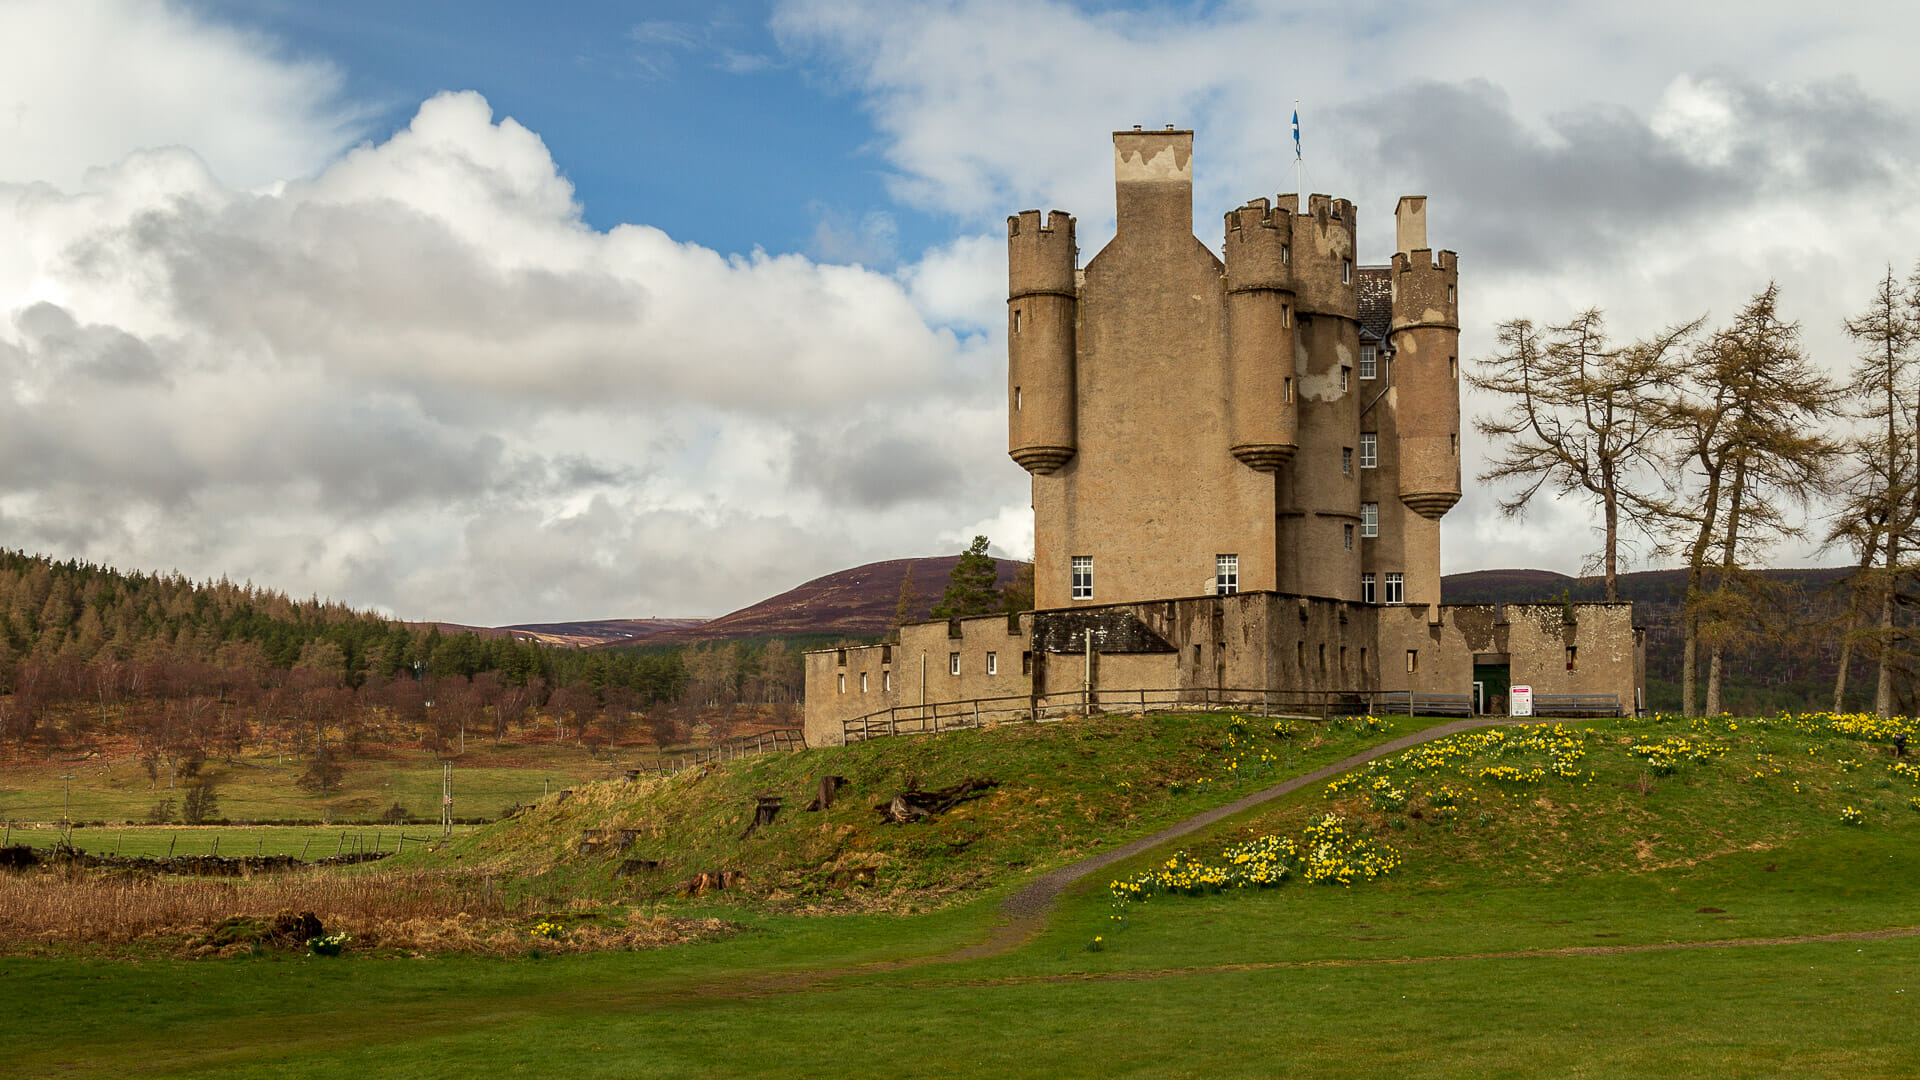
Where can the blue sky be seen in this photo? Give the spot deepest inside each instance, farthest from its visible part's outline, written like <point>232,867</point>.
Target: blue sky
<point>498,312</point>
<point>771,146</point>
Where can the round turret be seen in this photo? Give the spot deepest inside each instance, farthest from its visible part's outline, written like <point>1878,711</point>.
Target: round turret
<point>1041,309</point>
<point>1426,351</point>
<point>1259,302</point>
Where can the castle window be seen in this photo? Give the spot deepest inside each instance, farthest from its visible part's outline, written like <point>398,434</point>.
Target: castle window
<point>1363,659</point>
<point>1343,659</point>
<point>1323,657</point>
<point>1573,658</point>
<point>1450,289</point>
<point>1413,661</point>
<point>1369,450</point>
<point>1026,663</point>
<point>1300,655</point>
<point>843,682</point>
<point>993,664</point>
<point>1226,574</point>
<point>1016,399</point>
<point>1453,444</point>
<point>843,658</point>
<point>1346,378</point>
<point>1453,367</point>
<point>863,682</point>
<point>1286,254</point>
<point>1369,358</point>
<point>1346,461</point>
<point>1289,389</point>
<point>1346,271</point>
<point>1083,577</point>
<point>1366,588</point>
<point>953,663</point>
<point>1396,588</point>
<point>886,681</point>
<point>1286,316</point>
<point>1370,519</point>
<point>1346,536</point>
<point>1196,656</point>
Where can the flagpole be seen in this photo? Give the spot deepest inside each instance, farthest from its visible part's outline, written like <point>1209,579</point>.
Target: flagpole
<point>1298,182</point>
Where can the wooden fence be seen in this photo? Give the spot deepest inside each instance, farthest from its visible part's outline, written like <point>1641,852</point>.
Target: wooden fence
<point>935,717</point>
<point>765,742</point>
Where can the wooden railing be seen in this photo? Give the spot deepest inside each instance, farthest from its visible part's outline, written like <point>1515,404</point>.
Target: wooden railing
<point>935,717</point>
<point>739,746</point>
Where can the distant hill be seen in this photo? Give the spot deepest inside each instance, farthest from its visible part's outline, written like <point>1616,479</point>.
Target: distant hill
<point>600,631</point>
<point>860,602</point>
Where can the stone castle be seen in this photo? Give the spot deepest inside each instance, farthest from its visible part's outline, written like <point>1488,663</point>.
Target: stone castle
<point>1239,469</point>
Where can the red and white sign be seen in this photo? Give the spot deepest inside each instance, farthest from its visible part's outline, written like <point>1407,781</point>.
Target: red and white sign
<point>1520,701</point>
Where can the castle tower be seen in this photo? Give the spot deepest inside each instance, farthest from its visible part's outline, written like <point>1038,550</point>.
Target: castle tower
<point>1192,424</point>
<point>1260,303</point>
<point>1319,497</point>
<point>1151,502</point>
<point>1426,350</point>
<point>1041,309</point>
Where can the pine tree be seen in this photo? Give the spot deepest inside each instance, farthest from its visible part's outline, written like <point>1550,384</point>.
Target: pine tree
<point>973,587</point>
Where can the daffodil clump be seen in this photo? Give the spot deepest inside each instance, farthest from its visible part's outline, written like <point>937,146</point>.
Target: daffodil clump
<point>552,931</point>
<point>1260,863</point>
<point>1511,759</point>
<point>1667,755</point>
<point>1850,816</point>
<point>329,945</point>
<point>1337,856</point>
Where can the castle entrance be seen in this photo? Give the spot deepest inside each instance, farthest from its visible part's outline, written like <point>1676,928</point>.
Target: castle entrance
<point>1492,675</point>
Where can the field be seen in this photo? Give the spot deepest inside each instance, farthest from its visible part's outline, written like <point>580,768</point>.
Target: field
<point>1730,899</point>
<point>112,786</point>
<point>303,841</point>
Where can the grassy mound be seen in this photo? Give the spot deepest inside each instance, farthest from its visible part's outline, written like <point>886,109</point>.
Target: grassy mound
<point>1059,791</point>
<point>1548,836</point>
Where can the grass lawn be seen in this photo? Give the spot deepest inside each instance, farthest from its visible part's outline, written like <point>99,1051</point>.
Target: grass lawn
<point>311,842</point>
<point>1598,867</point>
<point>113,787</point>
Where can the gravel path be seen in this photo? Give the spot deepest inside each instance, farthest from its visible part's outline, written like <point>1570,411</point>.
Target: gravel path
<point>1026,911</point>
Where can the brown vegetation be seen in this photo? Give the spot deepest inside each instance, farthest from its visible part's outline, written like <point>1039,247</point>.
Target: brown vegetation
<point>403,911</point>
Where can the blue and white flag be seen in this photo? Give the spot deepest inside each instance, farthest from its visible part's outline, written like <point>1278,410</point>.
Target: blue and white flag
<point>1296,133</point>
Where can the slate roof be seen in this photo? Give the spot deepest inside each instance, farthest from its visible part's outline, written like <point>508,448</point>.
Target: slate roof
<point>1376,301</point>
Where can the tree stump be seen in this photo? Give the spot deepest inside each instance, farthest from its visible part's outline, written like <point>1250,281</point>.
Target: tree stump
<point>829,785</point>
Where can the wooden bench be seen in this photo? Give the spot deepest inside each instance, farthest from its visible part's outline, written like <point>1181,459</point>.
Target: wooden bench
<point>1401,701</point>
<point>1576,704</point>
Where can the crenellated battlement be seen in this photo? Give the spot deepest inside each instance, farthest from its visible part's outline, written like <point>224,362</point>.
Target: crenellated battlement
<point>1421,260</point>
<point>1041,256</point>
<point>1326,206</point>
<point>1028,223</point>
<point>1258,248</point>
<point>1425,289</point>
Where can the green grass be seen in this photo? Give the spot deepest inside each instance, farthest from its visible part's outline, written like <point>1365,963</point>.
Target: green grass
<point>1064,790</point>
<point>1412,974</point>
<point>157,840</point>
<point>262,787</point>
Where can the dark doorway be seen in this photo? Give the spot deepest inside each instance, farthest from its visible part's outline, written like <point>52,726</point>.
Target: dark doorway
<point>1492,676</point>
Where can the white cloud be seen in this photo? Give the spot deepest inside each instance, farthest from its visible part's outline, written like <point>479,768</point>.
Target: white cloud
<point>419,379</point>
<point>1659,163</point>
<point>82,82</point>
